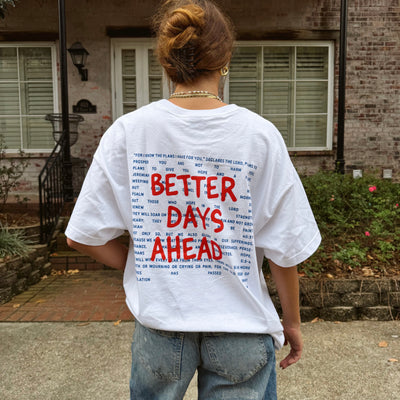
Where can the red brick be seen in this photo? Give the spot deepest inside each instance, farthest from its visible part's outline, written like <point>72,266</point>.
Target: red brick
<point>94,266</point>
<point>4,314</point>
<point>80,266</point>
<point>29,316</point>
<point>60,260</point>
<point>71,316</point>
<point>84,259</point>
<point>84,315</point>
<point>16,316</point>
<point>97,316</point>
<point>126,315</point>
<point>86,296</point>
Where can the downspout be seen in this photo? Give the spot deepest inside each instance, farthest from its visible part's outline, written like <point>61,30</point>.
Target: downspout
<point>340,163</point>
<point>67,164</point>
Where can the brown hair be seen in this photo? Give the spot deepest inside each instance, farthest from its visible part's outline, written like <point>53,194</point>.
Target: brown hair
<point>194,38</point>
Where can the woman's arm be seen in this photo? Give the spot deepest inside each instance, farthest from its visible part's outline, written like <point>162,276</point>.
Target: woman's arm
<point>113,253</point>
<point>287,284</point>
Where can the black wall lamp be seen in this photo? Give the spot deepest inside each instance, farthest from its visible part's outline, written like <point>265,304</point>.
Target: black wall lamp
<point>79,55</point>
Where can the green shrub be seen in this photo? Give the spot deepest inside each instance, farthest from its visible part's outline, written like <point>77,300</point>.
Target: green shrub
<point>359,220</point>
<point>351,255</point>
<point>12,243</point>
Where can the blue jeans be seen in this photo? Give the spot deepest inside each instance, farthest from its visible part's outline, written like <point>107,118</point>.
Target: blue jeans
<point>231,366</point>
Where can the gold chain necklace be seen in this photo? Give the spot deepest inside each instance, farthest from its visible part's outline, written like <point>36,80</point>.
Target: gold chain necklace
<point>194,93</point>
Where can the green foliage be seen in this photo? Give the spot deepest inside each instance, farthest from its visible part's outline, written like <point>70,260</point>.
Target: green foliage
<point>11,171</point>
<point>359,220</point>
<point>12,243</point>
<point>352,254</point>
<point>3,6</point>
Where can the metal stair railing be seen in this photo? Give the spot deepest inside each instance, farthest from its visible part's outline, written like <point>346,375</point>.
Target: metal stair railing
<point>51,190</point>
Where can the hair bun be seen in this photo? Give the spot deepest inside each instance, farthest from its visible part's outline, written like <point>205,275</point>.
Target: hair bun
<point>193,38</point>
<point>183,25</point>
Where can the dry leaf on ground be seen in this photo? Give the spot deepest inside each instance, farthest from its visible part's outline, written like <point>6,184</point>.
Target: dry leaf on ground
<point>16,305</point>
<point>117,322</point>
<point>393,360</point>
<point>73,271</point>
<point>367,271</point>
<point>383,344</point>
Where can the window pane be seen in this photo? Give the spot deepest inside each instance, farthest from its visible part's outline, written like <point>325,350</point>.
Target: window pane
<point>155,88</point>
<point>311,97</point>
<point>128,62</point>
<point>128,108</point>
<point>129,92</point>
<point>37,98</point>
<point>155,77</point>
<point>35,63</point>
<point>291,90</point>
<point>37,133</point>
<point>154,65</point>
<point>284,125</point>
<point>277,97</point>
<point>311,131</point>
<point>8,63</point>
<point>278,63</point>
<point>245,94</point>
<point>11,130</point>
<point>245,64</point>
<point>9,99</point>
<point>312,63</point>
<point>32,95</point>
<point>129,80</point>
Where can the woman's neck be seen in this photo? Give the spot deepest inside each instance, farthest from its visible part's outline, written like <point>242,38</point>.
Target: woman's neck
<point>208,84</point>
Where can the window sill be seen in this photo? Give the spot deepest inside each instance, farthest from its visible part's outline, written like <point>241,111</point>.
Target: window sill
<point>309,153</point>
<point>27,154</point>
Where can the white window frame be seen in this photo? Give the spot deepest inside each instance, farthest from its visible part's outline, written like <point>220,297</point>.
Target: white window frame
<point>330,94</point>
<point>141,47</point>
<point>52,46</point>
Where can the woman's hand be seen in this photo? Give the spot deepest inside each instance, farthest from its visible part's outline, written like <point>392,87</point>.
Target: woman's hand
<point>294,339</point>
<point>287,284</point>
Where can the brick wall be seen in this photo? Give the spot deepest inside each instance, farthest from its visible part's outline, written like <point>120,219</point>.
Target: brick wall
<point>20,272</point>
<point>347,299</point>
<point>373,101</point>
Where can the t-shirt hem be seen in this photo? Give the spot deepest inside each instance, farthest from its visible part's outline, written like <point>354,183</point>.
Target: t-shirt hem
<point>271,327</point>
<point>76,235</point>
<point>308,250</point>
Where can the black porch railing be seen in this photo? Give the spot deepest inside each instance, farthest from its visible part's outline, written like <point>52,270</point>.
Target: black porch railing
<point>51,191</point>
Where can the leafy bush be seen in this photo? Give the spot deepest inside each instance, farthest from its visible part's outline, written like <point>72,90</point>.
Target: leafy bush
<point>12,243</point>
<point>359,220</point>
<point>11,171</point>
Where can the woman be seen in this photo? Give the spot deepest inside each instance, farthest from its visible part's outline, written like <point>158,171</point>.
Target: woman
<point>205,190</point>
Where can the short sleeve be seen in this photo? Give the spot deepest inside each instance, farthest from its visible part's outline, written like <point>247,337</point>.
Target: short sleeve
<point>99,214</point>
<point>285,227</point>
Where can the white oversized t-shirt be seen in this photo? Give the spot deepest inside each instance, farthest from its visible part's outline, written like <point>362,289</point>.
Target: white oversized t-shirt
<point>204,194</point>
